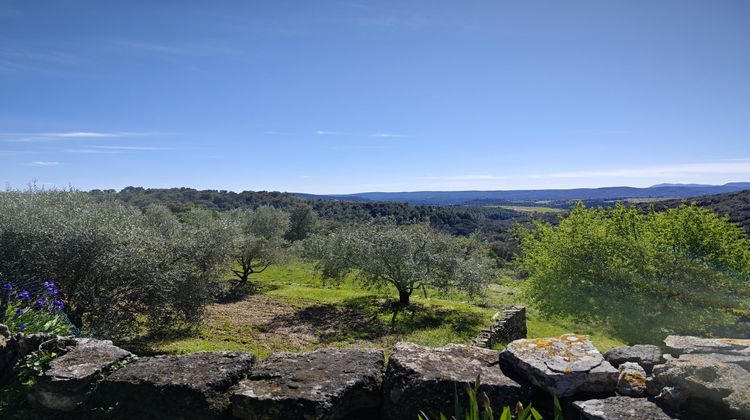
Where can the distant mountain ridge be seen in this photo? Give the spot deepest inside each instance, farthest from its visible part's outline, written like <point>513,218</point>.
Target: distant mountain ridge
<point>487,197</point>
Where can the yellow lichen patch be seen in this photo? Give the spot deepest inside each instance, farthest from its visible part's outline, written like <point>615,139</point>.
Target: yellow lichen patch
<point>635,378</point>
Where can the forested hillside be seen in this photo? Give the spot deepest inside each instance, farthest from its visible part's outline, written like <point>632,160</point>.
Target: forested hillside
<point>457,220</point>
<point>736,205</point>
<point>494,224</point>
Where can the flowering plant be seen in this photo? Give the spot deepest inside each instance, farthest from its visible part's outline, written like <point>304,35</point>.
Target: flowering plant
<point>40,313</point>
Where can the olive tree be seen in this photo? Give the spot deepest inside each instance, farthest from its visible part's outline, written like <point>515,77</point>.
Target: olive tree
<point>257,240</point>
<point>405,257</point>
<point>119,269</point>
<point>302,221</point>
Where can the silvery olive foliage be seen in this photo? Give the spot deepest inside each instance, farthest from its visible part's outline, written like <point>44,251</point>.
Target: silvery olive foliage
<point>257,239</point>
<point>405,257</point>
<point>119,269</point>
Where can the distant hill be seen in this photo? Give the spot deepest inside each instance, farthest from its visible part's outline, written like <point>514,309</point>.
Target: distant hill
<point>492,197</point>
<point>736,205</point>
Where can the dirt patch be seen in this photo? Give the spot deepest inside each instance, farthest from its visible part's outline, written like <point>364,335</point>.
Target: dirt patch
<point>277,325</point>
<point>252,310</point>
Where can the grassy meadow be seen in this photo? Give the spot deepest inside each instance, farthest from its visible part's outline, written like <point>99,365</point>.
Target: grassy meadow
<point>289,308</point>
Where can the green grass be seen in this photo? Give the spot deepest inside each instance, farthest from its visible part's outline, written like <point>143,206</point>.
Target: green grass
<point>348,315</point>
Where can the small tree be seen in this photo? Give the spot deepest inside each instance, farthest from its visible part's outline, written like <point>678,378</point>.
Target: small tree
<point>406,257</point>
<point>258,240</point>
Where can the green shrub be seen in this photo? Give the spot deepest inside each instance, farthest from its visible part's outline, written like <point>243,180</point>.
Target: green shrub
<point>119,269</point>
<point>683,271</point>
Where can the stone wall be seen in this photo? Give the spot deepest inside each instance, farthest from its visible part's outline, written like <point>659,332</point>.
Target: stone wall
<point>508,324</point>
<point>96,379</point>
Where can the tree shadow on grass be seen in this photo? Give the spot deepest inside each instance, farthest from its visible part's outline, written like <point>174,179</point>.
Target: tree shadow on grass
<point>232,292</point>
<point>370,318</point>
<point>143,345</point>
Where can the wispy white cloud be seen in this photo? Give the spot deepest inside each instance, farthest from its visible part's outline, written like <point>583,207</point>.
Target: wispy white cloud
<point>355,134</point>
<point>133,148</point>
<point>71,135</point>
<point>388,135</point>
<point>331,133</point>
<point>43,163</point>
<point>25,56</point>
<point>93,151</point>
<point>81,134</point>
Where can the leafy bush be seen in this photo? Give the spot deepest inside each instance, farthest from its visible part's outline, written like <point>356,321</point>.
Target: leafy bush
<point>119,269</point>
<point>684,271</point>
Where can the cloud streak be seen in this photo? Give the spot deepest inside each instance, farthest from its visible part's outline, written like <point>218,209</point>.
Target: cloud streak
<point>354,134</point>
<point>70,135</point>
<point>44,163</point>
<point>93,151</point>
<point>133,148</point>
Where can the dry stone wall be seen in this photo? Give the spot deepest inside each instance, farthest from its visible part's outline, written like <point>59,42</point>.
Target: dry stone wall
<point>508,324</point>
<point>697,379</point>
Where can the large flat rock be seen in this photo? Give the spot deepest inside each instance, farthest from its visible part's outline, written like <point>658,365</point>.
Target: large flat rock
<point>683,344</point>
<point>705,385</point>
<point>563,366</point>
<point>620,408</point>
<point>193,386</point>
<point>323,384</point>
<point>425,379</point>
<point>645,355</point>
<point>70,377</point>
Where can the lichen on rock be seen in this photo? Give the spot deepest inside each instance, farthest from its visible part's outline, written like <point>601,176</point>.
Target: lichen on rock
<point>563,366</point>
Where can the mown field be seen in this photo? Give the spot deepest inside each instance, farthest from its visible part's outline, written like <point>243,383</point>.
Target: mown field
<point>529,209</point>
<point>289,308</point>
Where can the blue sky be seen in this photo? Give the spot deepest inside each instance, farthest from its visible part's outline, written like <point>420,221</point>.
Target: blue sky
<point>350,96</point>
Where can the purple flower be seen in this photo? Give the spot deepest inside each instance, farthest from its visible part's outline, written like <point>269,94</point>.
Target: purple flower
<point>21,327</point>
<point>23,295</point>
<point>51,287</point>
<point>8,286</point>
<point>19,311</point>
<point>59,304</point>
<point>40,303</point>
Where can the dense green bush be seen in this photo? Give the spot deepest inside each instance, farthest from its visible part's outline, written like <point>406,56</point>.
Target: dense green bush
<point>685,270</point>
<point>118,268</point>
